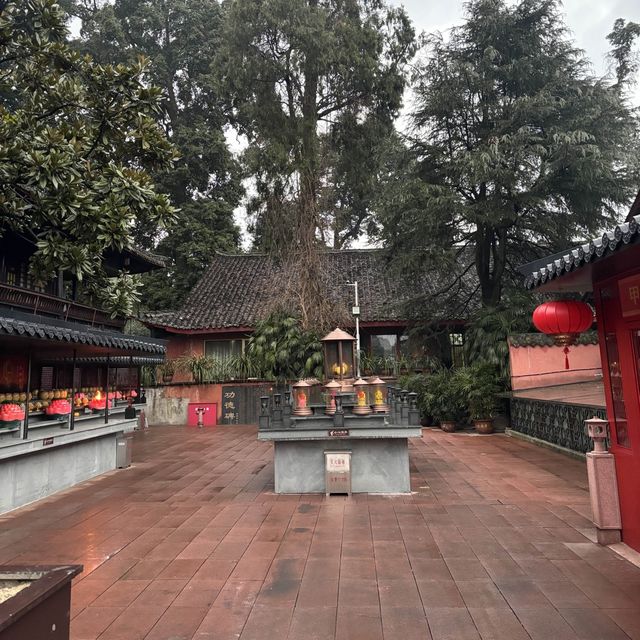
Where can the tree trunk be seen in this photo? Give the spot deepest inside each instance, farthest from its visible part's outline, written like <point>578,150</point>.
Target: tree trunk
<point>307,208</point>
<point>490,255</point>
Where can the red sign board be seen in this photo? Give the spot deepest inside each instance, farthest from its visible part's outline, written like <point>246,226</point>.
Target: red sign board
<point>630,296</point>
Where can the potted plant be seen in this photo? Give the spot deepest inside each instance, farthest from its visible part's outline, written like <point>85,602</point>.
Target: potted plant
<point>480,384</point>
<point>443,401</point>
<point>199,366</point>
<point>167,369</point>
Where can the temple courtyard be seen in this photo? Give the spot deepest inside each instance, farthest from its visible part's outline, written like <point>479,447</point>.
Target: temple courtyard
<point>494,542</point>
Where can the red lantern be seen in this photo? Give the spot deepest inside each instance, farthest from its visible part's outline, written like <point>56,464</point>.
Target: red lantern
<point>563,320</point>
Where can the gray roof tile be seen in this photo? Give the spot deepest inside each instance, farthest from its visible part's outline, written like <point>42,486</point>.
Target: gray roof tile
<point>595,249</point>
<point>49,329</point>
<point>235,290</point>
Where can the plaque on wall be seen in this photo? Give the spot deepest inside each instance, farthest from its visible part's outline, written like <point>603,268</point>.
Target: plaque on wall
<point>241,403</point>
<point>630,296</point>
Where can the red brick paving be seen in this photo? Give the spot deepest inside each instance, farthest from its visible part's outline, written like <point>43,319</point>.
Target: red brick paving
<point>192,544</point>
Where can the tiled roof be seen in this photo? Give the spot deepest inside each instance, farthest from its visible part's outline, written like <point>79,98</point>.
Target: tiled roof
<point>540,272</point>
<point>49,329</point>
<point>543,340</point>
<point>236,290</point>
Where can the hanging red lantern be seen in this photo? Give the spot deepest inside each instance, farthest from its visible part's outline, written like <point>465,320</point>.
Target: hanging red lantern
<point>563,320</point>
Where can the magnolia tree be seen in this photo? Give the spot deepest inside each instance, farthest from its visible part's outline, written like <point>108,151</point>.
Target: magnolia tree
<point>181,39</point>
<point>77,142</point>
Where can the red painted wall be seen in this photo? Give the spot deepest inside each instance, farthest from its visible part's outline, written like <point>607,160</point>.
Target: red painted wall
<point>533,367</point>
<point>179,345</point>
<point>620,354</point>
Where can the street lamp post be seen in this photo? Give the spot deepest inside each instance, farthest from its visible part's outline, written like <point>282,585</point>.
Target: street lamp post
<point>356,313</point>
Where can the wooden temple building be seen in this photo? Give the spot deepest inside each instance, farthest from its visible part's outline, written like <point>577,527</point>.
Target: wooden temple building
<point>66,369</point>
<point>236,291</point>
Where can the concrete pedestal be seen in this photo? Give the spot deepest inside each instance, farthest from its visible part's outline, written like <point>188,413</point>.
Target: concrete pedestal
<point>603,490</point>
<point>379,453</point>
<point>378,465</point>
<point>52,460</point>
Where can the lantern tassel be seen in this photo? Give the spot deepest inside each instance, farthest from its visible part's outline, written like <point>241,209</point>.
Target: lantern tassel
<point>566,357</point>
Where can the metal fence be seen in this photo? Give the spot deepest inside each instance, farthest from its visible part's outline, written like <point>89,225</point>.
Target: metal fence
<point>559,423</point>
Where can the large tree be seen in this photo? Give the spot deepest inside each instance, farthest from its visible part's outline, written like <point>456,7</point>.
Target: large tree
<point>516,149</point>
<point>181,38</point>
<point>314,85</point>
<point>77,142</point>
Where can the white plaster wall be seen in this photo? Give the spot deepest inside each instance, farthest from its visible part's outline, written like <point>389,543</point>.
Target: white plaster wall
<point>165,410</point>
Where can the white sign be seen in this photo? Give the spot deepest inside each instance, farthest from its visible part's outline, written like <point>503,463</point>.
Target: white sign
<point>338,462</point>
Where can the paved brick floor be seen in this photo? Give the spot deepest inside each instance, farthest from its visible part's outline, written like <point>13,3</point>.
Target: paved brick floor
<point>191,543</point>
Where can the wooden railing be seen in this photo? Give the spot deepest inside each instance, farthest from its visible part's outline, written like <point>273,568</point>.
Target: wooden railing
<point>48,305</point>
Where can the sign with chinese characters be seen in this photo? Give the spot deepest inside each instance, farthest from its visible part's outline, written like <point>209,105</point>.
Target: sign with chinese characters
<point>230,405</point>
<point>337,471</point>
<point>47,441</point>
<point>241,403</point>
<point>340,462</point>
<point>630,296</point>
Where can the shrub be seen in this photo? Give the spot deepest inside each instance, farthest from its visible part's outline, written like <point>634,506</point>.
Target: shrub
<point>479,384</point>
<point>442,398</point>
<point>284,351</point>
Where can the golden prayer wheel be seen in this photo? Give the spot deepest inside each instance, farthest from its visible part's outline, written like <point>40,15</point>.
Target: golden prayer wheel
<point>378,390</point>
<point>361,391</point>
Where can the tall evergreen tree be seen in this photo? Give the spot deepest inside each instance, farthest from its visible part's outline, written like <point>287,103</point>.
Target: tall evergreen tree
<point>314,85</point>
<point>181,38</point>
<point>517,149</point>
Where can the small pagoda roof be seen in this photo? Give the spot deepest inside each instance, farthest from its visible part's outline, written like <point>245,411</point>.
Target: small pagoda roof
<point>41,333</point>
<point>337,334</point>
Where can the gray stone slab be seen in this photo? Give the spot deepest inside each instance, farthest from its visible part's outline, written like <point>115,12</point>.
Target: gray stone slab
<point>363,432</point>
<point>379,465</point>
<point>88,430</point>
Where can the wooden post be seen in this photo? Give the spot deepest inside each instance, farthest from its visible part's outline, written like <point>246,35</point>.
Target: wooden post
<point>25,424</point>
<point>106,387</point>
<point>72,421</point>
